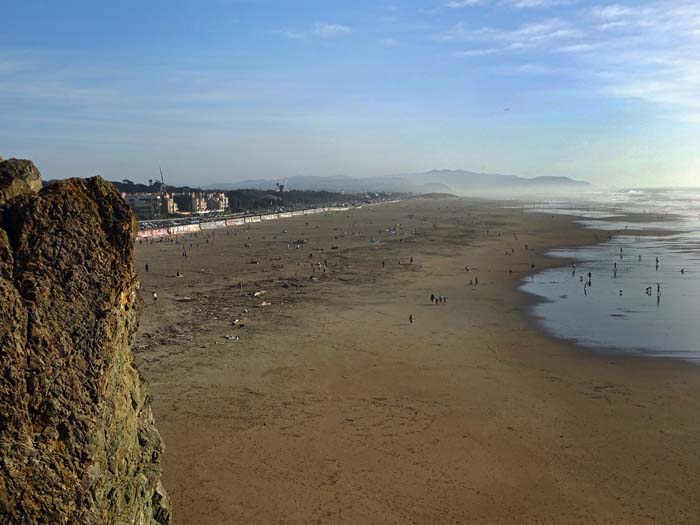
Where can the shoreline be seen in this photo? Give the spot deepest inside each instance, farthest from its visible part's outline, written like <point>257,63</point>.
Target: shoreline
<point>579,349</point>
<point>332,408</point>
<point>604,237</point>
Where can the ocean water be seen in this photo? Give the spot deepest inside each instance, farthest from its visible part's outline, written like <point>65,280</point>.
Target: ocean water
<point>616,312</point>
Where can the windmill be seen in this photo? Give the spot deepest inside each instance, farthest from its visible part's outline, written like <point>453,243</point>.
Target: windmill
<point>162,182</point>
<point>164,204</point>
<point>282,186</point>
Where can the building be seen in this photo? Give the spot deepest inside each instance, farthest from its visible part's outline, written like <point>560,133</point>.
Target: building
<point>150,205</point>
<point>191,201</point>
<point>201,202</point>
<point>217,201</point>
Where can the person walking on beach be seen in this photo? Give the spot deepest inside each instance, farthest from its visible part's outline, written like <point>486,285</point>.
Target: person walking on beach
<point>410,318</point>
<point>432,298</point>
<point>155,297</point>
<point>146,267</point>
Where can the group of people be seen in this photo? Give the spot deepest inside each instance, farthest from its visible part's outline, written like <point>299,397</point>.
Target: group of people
<point>649,290</point>
<point>437,299</point>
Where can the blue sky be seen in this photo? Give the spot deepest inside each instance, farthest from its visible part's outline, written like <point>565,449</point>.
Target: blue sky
<point>225,90</point>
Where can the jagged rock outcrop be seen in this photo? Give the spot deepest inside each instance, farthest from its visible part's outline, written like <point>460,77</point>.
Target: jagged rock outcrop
<point>77,438</point>
<point>18,177</point>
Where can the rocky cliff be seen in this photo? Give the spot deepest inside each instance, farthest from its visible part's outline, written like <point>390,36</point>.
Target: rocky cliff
<point>77,438</point>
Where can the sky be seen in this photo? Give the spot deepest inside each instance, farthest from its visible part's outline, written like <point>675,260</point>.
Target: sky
<point>226,90</point>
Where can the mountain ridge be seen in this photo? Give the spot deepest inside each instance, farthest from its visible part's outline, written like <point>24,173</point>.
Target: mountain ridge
<point>443,180</point>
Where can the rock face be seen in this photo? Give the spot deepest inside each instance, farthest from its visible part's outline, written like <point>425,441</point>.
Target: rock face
<point>77,438</point>
<point>18,177</point>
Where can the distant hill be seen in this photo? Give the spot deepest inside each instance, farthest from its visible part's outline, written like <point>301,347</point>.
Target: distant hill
<point>340,183</point>
<point>472,183</point>
<point>436,181</point>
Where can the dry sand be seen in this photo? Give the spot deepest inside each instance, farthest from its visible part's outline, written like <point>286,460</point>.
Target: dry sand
<point>331,408</point>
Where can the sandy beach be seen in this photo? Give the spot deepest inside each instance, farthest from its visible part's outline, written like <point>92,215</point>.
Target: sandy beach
<point>331,408</point>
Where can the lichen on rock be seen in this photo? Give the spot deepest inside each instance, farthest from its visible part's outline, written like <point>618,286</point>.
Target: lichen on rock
<point>77,439</point>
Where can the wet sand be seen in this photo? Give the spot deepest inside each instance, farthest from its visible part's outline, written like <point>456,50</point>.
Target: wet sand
<point>332,408</point>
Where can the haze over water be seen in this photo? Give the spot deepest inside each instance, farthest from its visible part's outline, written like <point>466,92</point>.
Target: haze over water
<point>636,322</point>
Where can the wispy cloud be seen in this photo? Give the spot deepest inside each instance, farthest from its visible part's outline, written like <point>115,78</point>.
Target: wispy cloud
<point>330,30</point>
<point>475,52</point>
<point>536,4</point>
<point>517,4</point>
<point>318,30</point>
<point>586,47</point>
<point>388,42</point>
<point>460,4</point>
<point>612,11</point>
<point>648,52</point>
<point>531,68</point>
<point>527,35</point>
<point>7,67</point>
